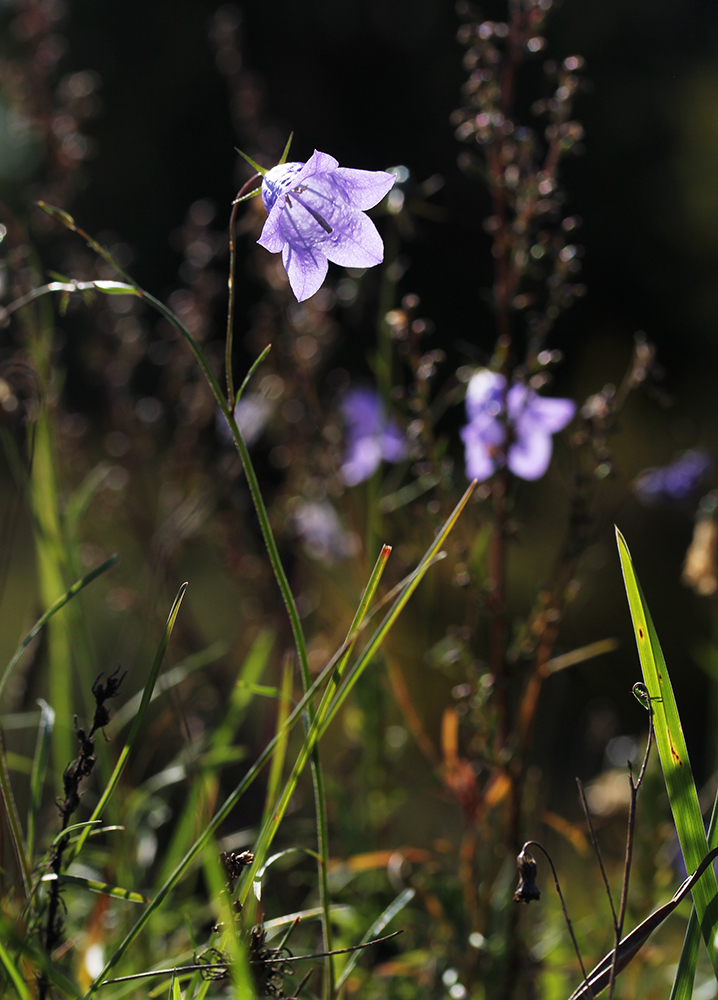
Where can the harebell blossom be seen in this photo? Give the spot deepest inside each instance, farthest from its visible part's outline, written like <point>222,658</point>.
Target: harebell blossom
<point>315,213</point>
<point>512,428</point>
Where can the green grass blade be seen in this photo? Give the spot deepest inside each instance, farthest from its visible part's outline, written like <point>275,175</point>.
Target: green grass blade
<point>397,607</point>
<point>280,751</point>
<point>92,885</point>
<point>139,718</point>
<point>13,819</point>
<point>677,773</point>
<point>39,770</point>
<point>53,609</point>
<point>205,787</point>
<point>375,930</point>
<point>13,974</point>
<point>328,707</point>
<point>168,680</point>
<point>685,973</point>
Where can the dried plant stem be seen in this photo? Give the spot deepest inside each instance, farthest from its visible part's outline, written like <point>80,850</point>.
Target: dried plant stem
<point>535,843</point>
<point>597,851</point>
<point>635,785</point>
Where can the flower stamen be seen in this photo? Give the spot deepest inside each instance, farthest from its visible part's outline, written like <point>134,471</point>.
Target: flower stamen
<point>312,211</point>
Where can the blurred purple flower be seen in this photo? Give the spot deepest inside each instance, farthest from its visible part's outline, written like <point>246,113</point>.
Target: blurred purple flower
<point>530,420</point>
<point>252,412</point>
<point>674,482</point>
<point>315,213</point>
<point>317,524</point>
<point>371,436</point>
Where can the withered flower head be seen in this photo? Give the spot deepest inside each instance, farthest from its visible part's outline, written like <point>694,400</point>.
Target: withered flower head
<point>527,889</point>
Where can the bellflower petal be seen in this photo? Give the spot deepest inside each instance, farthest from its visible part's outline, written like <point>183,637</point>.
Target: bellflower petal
<point>367,187</point>
<point>371,437</point>
<point>679,481</point>
<point>480,463</point>
<point>393,445</point>
<point>543,411</point>
<point>362,460</point>
<point>484,395</point>
<point>306,269</point>
<point>528,419</point>
<point>315,214</point>
<point>529,456</point>
<point>360,244</point>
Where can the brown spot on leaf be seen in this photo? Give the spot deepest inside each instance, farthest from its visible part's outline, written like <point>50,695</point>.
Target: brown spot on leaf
<point>640,633</point>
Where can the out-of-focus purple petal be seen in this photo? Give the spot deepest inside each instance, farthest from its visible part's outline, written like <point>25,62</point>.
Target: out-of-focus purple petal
<point>484,394</point>
<point>371,437</point>
<point>480,463</point>
<point>362,460</point>
<point>678,481</point>
<point>394,447</point>
<point>362,411</point>
<point>356,243</point>
<point>317,524</point>
<point>551,413</point>
<point>529,418</point>
<point>306,269</point>
<point>252,412</point>
<point>365,188</point>
<point>529,456</point>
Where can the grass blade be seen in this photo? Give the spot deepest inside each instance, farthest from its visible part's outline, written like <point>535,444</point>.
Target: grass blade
<point>139,718</point>
<point>677,773</point>
<point>39,770</point>
<point>13,974</point>
<point>14,822</point>
<point>53,609</point>
<point>259,764</point>
<point>92,885</point>
<point>375,930</point>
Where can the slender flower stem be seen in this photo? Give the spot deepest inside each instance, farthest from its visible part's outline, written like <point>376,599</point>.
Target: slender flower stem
<point>317,776</point>
<point>230,310</point>
<point>230,285</point>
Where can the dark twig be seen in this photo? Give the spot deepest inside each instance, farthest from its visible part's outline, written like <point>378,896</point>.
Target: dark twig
<point>75,771</point>
<point>206,966</point>
<point>597,851</point>
<point>641,693</point>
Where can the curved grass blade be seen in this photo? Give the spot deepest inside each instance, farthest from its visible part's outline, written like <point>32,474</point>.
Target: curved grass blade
<point>53,609</point>
<point>168,680</point>
<point>92,885</point>
<point>13,819</point>
<point>13,974</point>
<point>677,773</point>
<point>39,770</point>
<point>139,718</point>
<point>375,930</point>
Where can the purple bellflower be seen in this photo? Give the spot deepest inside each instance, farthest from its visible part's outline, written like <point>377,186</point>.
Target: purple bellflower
<point>676,482</point>
<point>371,436</point>
<point>519,436</point>
<point>315,213</point>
